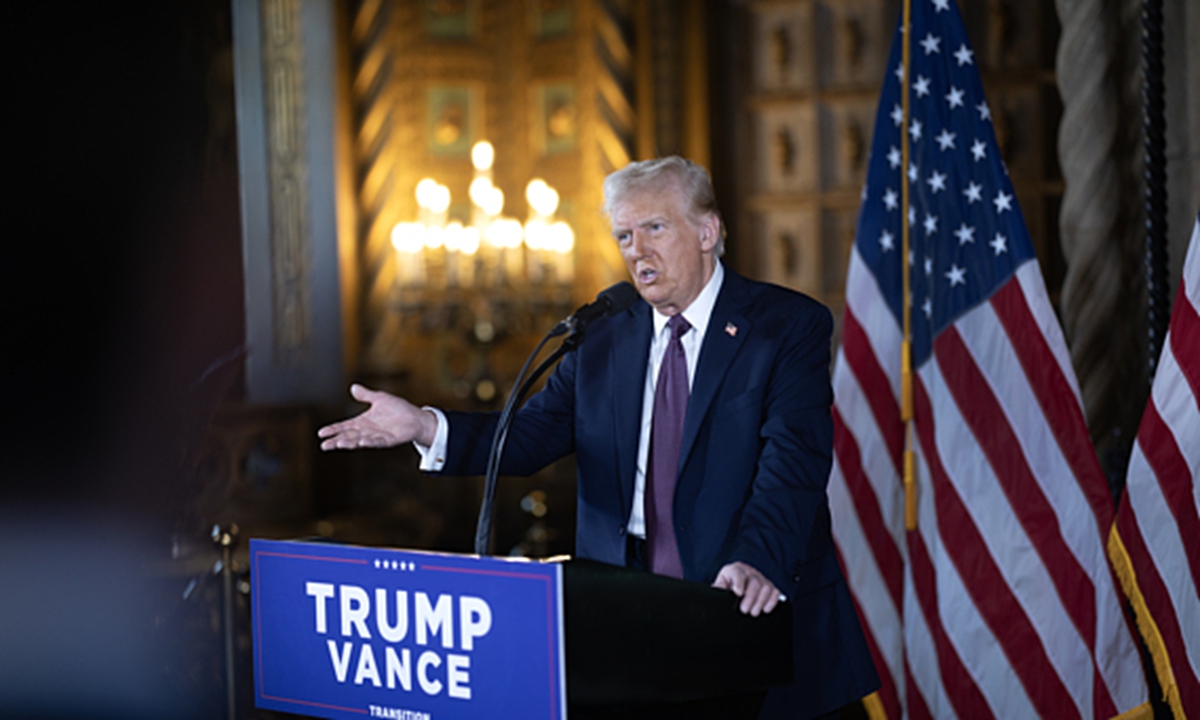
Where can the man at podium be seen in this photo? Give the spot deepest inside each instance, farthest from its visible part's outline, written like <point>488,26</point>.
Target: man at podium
<point>700,419</point>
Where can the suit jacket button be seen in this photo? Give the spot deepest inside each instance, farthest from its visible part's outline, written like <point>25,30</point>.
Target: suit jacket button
<point>621,530</point>
<point>796,578</point>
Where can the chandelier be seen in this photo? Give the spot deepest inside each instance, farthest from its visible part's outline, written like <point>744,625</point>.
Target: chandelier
<point>443,260</point>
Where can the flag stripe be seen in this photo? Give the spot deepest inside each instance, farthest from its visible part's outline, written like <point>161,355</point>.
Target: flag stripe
<point>1185,338</point>
<point>1064,415</point>
<point>1166,461</point>
<point>880,614</point>
<point>887,683</point>
<point>866,504</point>
<point>988,421</point>
<point>967,700</point>
<point>875,387</point>
<point>1151,586</point>
<point>917,709</point>
<point>989,592</point>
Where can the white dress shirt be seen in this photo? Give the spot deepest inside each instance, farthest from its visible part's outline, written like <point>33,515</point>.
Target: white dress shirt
<point>433,458</point>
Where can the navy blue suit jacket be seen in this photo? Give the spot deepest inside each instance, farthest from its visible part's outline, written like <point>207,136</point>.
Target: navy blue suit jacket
<point>755,461</point>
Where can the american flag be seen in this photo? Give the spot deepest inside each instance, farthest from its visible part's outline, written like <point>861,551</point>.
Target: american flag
<point>1001,602</point>
<point>1155,545</point>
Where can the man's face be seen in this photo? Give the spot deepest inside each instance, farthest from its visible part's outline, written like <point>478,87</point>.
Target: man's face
<point>669,256</point>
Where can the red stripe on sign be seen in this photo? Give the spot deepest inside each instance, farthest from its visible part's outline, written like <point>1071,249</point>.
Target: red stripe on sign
<point>1058,402</point>
<point>1174,480</point>
<point>1185,338</point>
<point>887,683</point>
<point>866,506</point>
<point>1154,592</point>
<point>985,416</point>
<point>993,598</point>
<point>960,687</point>
<point>860,356</point>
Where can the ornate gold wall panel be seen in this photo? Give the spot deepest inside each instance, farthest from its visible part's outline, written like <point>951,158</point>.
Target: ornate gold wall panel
<point>549,84</point>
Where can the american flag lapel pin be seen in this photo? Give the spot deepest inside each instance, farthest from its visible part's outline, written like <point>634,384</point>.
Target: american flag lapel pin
<point>731,329</point>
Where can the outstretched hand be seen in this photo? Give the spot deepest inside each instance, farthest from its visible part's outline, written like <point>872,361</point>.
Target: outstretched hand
<point>390,421</point>
<point>759,595</point>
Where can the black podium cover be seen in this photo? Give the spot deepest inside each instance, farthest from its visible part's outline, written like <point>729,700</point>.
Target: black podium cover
<point>634,638</point>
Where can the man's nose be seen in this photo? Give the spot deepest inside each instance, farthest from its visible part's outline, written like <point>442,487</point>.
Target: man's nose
<point>637,244</point>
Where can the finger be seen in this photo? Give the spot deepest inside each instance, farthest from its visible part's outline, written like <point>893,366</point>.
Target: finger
<point>722,582</point>
<point>765,593</point>
<point>738,584</point>
<point>750,597</point>
<point>772,601</point>
<point>361,393</point>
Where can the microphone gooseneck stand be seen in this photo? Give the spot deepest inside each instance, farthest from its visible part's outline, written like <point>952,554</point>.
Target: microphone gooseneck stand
<point>610,301</point>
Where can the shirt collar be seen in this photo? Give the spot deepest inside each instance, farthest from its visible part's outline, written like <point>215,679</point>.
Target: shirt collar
<point>698,313</point>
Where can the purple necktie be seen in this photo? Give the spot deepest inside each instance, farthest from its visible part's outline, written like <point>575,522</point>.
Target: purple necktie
<point>666,437</point>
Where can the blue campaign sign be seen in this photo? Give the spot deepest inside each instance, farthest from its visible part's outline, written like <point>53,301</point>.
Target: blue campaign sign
<point>355,632</point>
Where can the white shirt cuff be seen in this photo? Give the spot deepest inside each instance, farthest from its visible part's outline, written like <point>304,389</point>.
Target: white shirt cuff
<point>433,458</point>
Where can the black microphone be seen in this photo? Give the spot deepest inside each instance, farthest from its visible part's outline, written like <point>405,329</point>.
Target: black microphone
<point>609,302</point>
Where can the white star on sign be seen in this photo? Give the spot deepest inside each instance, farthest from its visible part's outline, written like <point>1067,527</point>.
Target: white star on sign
<point>945,141</point>
<point>898,115</point>
<point>984,113</point>
<point>937,181</point>
<point>912,215</point>
<point>893,157</point>
<point>978,149</point>
<point>886,241</point>
<point>928,265</point>
<point>915,130</point>
<point>941,5</point>
<point>930,224</point>
<point>973,192</point>
<point>931,44</point>
<point>900,72</point>
<point>889,199</point>
<point>921,86</point>
<point>957,275</point>
<point>927,306</point>
<point>964,55</point>
<point>912,172</point>
<point>1000,243</point>
<point>954,97</point>
<point>1003,202</point>
<point>965,234</point>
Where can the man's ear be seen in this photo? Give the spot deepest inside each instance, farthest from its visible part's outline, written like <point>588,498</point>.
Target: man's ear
<point>710,232</point>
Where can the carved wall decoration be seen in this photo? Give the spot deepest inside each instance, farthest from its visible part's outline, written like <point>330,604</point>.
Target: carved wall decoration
<point>551,18</point>
<point>781,56</point>
<point>453,120</point>
<point>288,178</point>
<point>556,118</point>
<point>450,19</point>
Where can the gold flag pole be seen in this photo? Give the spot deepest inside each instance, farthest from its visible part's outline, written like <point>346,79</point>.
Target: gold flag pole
<point>906,387</point>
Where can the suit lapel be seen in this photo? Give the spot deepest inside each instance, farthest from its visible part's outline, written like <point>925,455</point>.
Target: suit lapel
<point>726,333</point>
<point>627,379</point>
